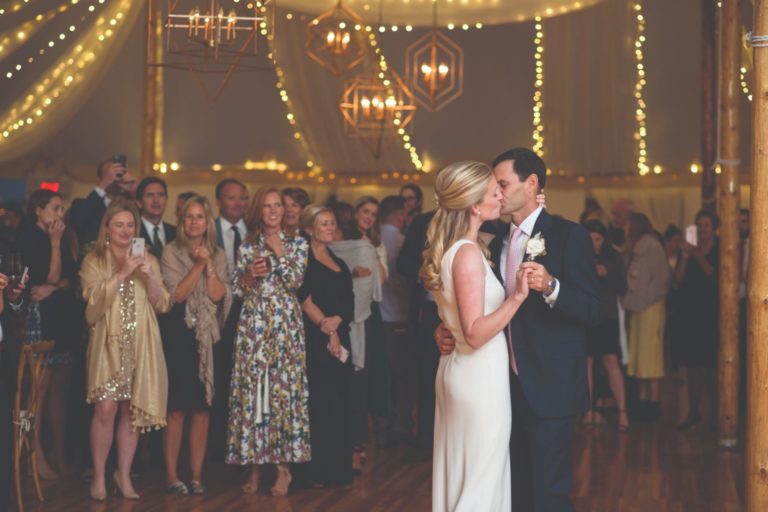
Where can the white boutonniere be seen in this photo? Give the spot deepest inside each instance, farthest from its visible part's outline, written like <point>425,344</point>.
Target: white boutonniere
<point>535,247</point>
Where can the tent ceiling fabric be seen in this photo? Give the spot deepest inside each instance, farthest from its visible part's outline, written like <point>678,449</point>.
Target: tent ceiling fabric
<point>419,12</point>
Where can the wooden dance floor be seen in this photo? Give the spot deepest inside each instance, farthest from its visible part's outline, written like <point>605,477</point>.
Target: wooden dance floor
<point>650,469</point>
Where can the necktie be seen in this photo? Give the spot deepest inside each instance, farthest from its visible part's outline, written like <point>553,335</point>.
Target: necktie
<point>236,243</point>
<point>513,263</point>
<point>157,245</point>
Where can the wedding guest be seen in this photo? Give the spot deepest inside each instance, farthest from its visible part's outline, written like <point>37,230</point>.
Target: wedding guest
<point>603,339</point>
<point>126,368</point>
<point>344,213</point>
<point>360,256</point>
<point>620,213</point>
<point>49,250</point>
<point>401,353</point>
<point>673,243</point>
<point>327,301</point>
<point>698,285</point>
<point>414,201</point>
<point>8,358</point>
<point>195,273</point>
<point>11,215</point>
<point>367,219</point>
<point>268,402</point>
<point>114,180</point>
<point>648,281</point>
<point>295,199</point>
<point>422,320</point>
<point>152,198</point>
<point>232,201</point>
<point>180,200</point>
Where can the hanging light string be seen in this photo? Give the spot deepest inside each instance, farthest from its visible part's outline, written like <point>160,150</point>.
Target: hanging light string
<point>312,163</point>
<point>15,7</point>
<point>538,103</point>
<point>744,82</point>
<point>63,77</point>
<point>41,20</point>
<point>640,115</point>
<point>14,38</point>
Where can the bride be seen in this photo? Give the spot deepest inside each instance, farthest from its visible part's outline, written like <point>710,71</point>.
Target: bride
<point>473,417</point>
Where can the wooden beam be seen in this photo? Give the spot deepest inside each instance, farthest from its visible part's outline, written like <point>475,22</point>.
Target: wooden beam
<point>730,203</point>
<point>756,463</point>
<point>152,113</point>
<point>708,124</point>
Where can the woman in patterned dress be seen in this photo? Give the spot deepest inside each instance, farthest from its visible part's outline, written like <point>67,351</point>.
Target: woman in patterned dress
<point>126,365</point>
<point>269,401</point>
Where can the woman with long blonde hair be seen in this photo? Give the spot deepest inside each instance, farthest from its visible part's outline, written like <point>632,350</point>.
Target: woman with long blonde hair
<point>126,366</point>
<point>473,417</point>
<point>195,272</point>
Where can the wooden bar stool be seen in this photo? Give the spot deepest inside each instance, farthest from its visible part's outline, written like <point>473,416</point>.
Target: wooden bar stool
<point>35,357</point>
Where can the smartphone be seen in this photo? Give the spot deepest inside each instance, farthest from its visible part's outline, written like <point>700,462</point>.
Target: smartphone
<point>120,159</point>
<point>137,247</point>
<point>691,235</point>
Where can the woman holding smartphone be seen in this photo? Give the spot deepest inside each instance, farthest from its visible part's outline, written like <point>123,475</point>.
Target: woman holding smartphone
<point>126,367</point>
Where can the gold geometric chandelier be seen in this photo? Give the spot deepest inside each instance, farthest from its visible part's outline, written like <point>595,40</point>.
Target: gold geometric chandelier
<point>212,37</point>
<point>435,68</point>
<point>334,40</point>
<point>376,109</point>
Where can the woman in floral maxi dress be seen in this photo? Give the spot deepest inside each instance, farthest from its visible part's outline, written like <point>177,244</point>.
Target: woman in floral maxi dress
<point>268,403</point>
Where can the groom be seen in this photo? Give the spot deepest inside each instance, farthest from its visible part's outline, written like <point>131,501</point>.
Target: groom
<point>547,335</point>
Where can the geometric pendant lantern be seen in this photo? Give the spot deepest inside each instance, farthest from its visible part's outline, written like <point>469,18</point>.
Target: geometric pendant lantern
<point>333,42</point>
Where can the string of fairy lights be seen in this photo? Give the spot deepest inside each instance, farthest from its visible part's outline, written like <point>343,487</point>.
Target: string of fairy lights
<point>14,7</point>
<point>62,36</point>
<point>744,82</point>
<point>538,103</point>
<point>640,116</point>
<point>56,83</point>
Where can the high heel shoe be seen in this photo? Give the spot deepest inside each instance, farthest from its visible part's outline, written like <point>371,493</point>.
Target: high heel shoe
<point>119,490</point>
<point>98,496</point>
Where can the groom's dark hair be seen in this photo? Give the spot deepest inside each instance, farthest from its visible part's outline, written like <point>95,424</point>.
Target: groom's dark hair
<point>525,163</point>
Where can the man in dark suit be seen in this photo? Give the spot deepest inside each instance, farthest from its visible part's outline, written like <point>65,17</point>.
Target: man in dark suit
<point>547,336</point>
<point>232,200</point>
<point>152,198</point>
<point>422,320</point>
<point>114,180</point>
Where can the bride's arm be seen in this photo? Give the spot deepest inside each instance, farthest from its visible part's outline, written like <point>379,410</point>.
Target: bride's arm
<point>477,327</point>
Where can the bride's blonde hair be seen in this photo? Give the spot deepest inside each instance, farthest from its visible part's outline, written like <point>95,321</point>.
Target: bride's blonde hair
<point>458,188</point>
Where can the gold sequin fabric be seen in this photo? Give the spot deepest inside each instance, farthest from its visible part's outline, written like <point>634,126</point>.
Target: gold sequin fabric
<point>120,386</point>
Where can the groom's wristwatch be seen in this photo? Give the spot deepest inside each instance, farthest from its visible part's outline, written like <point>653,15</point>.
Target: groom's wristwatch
<point>550,287</point>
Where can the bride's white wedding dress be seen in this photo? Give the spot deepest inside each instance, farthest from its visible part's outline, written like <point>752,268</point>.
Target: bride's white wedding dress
<point>473,416</point>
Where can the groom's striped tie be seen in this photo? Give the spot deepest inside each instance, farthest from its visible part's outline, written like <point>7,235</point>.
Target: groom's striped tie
<point>513,263</point>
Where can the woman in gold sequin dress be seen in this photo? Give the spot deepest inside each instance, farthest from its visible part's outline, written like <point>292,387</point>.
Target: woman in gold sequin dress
<point>125,362</point>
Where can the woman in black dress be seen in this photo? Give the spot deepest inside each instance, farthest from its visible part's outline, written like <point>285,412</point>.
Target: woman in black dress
<point>697,324</point>
<point>603,339</point>
<point>328,304</point>
<point>195,272</point>
<point>48,250</point>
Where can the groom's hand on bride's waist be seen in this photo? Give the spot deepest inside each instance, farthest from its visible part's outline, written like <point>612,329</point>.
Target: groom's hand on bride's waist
<point>446,343</point>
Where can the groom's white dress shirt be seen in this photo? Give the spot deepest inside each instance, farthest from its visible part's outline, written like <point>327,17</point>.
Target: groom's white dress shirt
<point>526,227</point>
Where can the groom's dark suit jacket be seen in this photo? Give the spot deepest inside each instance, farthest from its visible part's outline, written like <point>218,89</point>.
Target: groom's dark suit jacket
<point>550,342</point>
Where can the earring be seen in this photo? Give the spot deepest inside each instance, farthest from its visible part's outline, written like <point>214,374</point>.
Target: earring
<point>106,240</point>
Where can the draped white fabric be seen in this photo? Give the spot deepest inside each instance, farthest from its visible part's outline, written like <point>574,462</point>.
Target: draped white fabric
<point>315,95</point>
<point>419,12</point>
<point>67,91</point>
<point>589,78</point>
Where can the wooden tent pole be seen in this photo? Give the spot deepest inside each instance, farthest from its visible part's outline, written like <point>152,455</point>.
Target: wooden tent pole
<point>708,126</point>
<point>730,154</point>
<point>151,115</point>
<point>756,453</point>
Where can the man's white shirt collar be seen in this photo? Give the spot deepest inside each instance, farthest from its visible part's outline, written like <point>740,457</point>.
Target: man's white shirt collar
<point>226,225</point>
<point>528,224</point>
<point>151,229</point>
<point>103,194</point>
